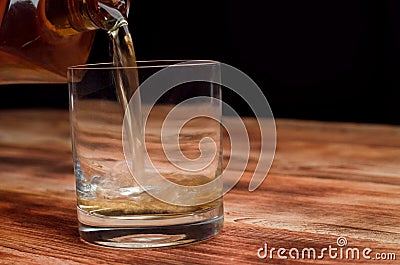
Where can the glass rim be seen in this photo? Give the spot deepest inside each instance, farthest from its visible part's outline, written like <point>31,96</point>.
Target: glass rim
<point>143,64</point>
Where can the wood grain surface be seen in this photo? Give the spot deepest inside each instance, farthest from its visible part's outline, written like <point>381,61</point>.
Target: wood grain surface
<point>328,180</point>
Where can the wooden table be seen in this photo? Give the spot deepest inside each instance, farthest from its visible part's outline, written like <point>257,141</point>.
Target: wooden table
<point>328,180</point>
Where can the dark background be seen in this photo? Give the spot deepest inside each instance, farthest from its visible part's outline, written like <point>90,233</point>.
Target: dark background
<point>322,60</point>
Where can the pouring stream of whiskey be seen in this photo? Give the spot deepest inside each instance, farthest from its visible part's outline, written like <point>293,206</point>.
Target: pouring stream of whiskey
<point>127,83</point>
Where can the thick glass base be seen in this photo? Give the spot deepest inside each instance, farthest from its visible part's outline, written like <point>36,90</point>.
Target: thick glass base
<point>150,231</point>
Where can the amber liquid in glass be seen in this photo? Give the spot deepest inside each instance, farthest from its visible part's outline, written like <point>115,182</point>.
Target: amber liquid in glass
<point>139,202</point>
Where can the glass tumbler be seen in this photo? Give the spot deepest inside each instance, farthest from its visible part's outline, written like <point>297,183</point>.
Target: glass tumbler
<point>147,152</point>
